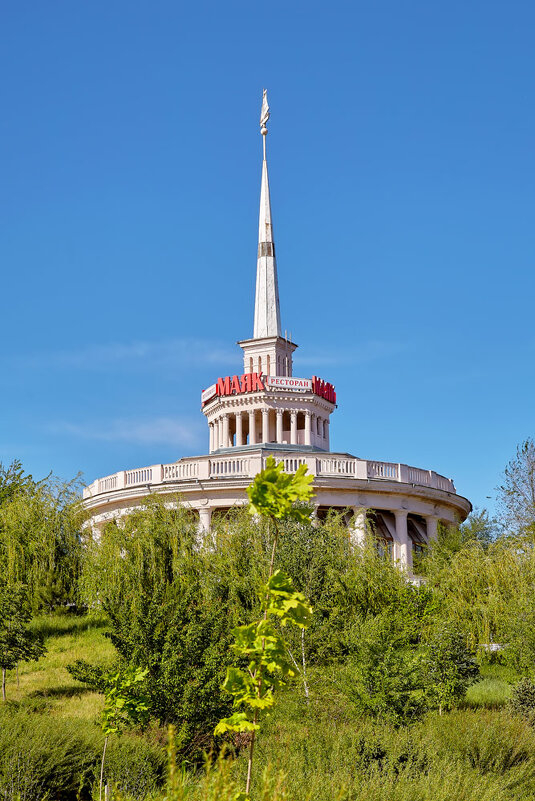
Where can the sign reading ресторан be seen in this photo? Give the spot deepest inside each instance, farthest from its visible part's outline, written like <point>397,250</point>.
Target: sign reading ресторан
<point>257,382</point>
<point>287,382</point>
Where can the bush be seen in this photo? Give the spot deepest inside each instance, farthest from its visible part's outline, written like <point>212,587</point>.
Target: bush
<point>133,765</point>
<point>523,700</point>
<point>60,761</point>
<point>39,760</point>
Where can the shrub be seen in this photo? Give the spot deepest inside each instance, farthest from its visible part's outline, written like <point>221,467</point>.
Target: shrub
<point>60,760</point>
<point>522,701</point>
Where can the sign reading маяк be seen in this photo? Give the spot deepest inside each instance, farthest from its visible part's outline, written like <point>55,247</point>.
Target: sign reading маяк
<point>254,382</point>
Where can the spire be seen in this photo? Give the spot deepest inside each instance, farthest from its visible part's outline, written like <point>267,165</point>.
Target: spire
<point>267,321</point>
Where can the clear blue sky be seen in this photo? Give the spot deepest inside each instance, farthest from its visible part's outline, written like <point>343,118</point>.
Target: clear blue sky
<point>401,152</point>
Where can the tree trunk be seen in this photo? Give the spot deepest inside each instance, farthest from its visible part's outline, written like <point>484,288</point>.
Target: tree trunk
<point>102,767</point>
<point>250,763</point>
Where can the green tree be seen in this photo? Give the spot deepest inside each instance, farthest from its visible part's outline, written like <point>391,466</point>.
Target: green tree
<point>383,675</point>
<point>274,495</point>
<point>125,706</point>
<point>517,493</point>
<point>14,481</point>
<point>450,667</point>
<point>17,642</point>
<point>40,541</point>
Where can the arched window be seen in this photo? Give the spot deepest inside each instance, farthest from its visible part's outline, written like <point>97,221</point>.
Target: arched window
<point>268,360</point>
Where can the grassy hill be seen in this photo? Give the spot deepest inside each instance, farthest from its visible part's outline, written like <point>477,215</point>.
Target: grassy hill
<point>308,751</point>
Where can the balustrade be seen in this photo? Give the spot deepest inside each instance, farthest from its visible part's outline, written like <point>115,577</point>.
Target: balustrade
<point>247,466</point>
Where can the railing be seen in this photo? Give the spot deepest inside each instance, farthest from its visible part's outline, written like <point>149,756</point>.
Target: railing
<point>387,470</point>
<point>107,484</point>
<point>336,467</point>
<point>229,467</point>
<point>180,470</point>
<point>207,467</point>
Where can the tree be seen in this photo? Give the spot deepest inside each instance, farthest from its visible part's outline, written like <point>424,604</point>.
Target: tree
<point>517,493</point>
<point>40,542</point>
<point>14,481</point>
<point>273,495</point>
<point>17,642</point>
<point>125,705</point>
<point>450,667</point>
<point>383,675</point>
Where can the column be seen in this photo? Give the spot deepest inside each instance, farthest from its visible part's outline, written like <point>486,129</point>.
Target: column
<point>239,428</point>
<point>293,427</point>
<point>252,432</point>
<point>217,433</point>
<point>280,433</point>
<point>326,433</point>
<point>432,523</point>
<point>265,425</point>
<point>211,429</point>
<point>205,517</point>
<point>403,541</point>
<point>307,428</point>
<point>225,431</point>
<point>357,531</point>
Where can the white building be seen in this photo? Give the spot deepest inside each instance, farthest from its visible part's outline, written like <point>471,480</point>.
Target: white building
<point>265,410</point>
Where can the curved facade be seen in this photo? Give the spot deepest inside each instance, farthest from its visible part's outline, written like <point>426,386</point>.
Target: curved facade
<point>266,410</point>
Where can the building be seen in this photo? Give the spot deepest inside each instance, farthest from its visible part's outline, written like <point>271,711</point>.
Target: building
<point>265,410</point>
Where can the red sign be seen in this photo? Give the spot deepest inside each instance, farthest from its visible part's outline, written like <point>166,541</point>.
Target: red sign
<point>323,389</point>
<point>236,385</point>
<point>256,382</point>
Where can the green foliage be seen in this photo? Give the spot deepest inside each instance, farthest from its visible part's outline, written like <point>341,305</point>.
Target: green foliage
<point>125,703</point>
<point>17,642</point>
<point>14,481</point>
<point>265,651</point>
<point>43,758</point>
<point>40,543</point>
<point>274,493</point>
<point>450,667</point>
<point>517,493</point>
<point>523,700</point>
<point>383,676</point>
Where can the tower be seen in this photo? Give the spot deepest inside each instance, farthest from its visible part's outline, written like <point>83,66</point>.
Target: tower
<point>266,405</point>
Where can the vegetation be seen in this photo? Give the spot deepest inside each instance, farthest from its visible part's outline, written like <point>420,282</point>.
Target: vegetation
<point>385,689</point>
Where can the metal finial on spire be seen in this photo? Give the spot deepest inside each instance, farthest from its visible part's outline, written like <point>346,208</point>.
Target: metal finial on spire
<point>264,113</point>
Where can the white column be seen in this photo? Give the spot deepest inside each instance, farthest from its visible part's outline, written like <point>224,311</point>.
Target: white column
<point>226,435</point>
<point>307,428</point>
<point>265,425</point>
<point>252,432</point>
<point>293,427</point>
<point>211,429</point>
<point>357,531</point>
<point>403,540</point>
<point>279,426</point>
<point>432,523</point>
<point>239,428</point>
<point>326,434</point>
<point>205,518</point>
<point>217,433</point>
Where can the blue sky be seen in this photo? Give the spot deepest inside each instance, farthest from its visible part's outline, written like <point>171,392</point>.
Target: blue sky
<point>401,153</point>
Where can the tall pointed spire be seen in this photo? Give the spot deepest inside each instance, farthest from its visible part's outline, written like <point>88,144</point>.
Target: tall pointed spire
<point>267,322</point>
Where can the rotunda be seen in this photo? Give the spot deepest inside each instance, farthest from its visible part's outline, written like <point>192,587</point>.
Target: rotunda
<point>266,410</point>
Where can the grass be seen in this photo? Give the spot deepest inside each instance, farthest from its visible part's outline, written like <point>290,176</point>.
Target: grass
<point>323,750</point>
<point>46,684</point>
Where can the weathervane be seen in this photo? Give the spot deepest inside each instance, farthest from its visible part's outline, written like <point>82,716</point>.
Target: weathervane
<point>264,117</point>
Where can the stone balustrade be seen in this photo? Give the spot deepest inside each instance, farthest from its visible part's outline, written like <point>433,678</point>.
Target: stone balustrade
<point>246,466</point>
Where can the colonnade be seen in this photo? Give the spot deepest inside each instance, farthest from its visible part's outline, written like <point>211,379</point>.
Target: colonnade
<point>402,542</point>
<point>261,425</point>
<point>402,551</point>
